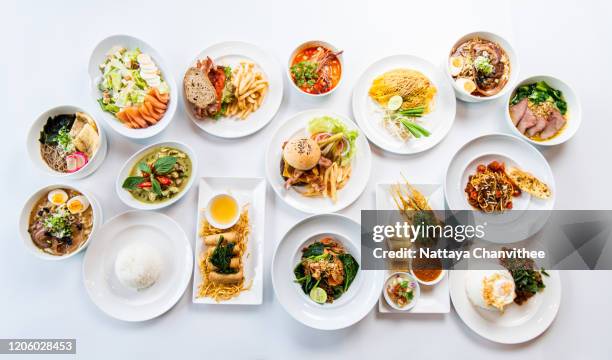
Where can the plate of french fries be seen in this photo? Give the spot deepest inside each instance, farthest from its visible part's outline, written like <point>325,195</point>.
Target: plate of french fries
<point>252,95</point>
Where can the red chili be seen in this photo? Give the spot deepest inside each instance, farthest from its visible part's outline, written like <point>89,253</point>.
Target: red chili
<point>509,205</point>
<point>481,168</point>
<point>164,180</point>
<point>144,185</point>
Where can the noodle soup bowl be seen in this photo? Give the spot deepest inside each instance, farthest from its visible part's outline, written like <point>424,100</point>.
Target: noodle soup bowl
<point>308,44</point>
<point>33,145</point>
<point>514,66</point>
<point>24,221</point>
<point>130,200</point>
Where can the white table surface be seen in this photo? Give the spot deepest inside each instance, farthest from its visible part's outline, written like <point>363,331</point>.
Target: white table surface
<point>45,49</point>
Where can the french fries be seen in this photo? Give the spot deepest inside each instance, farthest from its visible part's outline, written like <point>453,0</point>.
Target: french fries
<point>250,88</point>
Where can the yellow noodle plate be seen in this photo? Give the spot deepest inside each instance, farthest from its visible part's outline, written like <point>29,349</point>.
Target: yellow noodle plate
<point>414,88</point>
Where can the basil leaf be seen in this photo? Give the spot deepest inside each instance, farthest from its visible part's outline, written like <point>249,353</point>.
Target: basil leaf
<point>155,186</point>
<point>142,166</point>
<point>164,165</point>
<point>132,182</point>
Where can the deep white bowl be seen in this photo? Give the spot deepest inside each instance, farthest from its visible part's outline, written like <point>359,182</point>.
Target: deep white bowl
<point>33,145</point>
<point>24,220</point>
<point>212,220</point>
<point>428,283</point>
<point>308,44</point>
<point>574,110</point>
<point>417,291</point>
<point>514,66</point>
<point>127,197</point>
<point>97,57</point>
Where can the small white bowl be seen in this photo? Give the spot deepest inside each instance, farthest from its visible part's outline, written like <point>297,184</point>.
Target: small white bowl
<point>417,291</point>
<point>429,283</point>
<point>574,110</point>
<point>127,197</point>
<point>24,221</point>
<point>33,145</point>
<point>514,66</point>
<point>97,57</point>
<point>219,225</point>
<point>308,44</point>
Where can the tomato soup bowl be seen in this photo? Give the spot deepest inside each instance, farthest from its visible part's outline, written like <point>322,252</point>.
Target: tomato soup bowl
<point>309,44</point>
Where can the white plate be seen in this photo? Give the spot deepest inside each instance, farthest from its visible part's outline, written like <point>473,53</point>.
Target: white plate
<point>369,114</point>
<point>514,152</point>
<point>101,283</point>
<point>361,164</point>
<point>97,57</point>
<point>518,323</point>
<point>434,299</point>
<point>250,191</point>
<point>351,307</point>
<point>127,197</point>
<point>231,53</point>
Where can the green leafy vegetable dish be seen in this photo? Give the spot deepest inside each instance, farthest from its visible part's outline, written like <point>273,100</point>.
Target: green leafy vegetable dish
<point>159,175</point>
<point>326,270</point>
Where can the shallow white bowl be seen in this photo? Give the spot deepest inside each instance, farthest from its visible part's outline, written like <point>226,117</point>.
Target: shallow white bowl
<point>125,195</point>
<point>574,110</point>
<point>417,291</point>
<point>428,283</point>
<point>24,220</point>
<point>514,66</point>
<point>308,44</point>
<point>33,145</point>
<point>97,57</point>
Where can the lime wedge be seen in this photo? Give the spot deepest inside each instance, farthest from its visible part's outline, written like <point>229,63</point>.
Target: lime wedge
<point>395,102</point>
<point>318,295</point>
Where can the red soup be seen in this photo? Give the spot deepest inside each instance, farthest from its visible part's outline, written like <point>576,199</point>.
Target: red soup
<point>316,69</point>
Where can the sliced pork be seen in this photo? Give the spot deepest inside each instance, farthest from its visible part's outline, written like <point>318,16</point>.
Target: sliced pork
<point>518,110</point>
<point>555,123</point>
<point>528,120</point>
<point>539,126</point>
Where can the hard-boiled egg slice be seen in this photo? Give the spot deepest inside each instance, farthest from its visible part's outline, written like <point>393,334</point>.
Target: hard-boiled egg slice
<point>57,197</point>
<point>455,65</point>
<point>77,204</point>
<point>466,85</point>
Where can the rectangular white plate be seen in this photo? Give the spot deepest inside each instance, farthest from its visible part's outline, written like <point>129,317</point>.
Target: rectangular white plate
<point>434,299</point>
<point>246,190</point>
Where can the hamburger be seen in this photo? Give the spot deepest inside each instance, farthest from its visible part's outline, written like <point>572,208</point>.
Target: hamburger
<point>300,155</point>
<point>208,88</point>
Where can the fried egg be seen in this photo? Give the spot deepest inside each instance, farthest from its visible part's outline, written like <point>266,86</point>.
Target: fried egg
<point>455,65</point>
<point>490,289</point>
<point>466,85</point>
<point>57,197</point>
<point>77,204</point>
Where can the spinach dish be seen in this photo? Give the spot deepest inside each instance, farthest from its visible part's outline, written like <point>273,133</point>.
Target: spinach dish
<point>326,270</point>
<point>159,176</point>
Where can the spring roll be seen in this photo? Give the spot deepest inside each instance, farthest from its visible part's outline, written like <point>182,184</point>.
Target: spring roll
<point>231,237</point>
<point>234,264</point>
<point>225,278</point>
<point>211,249</point>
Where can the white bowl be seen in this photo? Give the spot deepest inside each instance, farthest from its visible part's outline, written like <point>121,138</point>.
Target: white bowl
<point>417,291</point>
<point>574,111</point>
<point>514,66</point>
<point>308,44</point>
<point>97,57</point>
<point>129,200</point>
<point>217,224</point>
<point>33,145</point>
<point>429,283</point>
<point>24,220</point>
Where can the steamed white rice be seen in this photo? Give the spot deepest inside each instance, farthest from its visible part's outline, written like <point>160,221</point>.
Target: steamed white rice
<point>138,266</point>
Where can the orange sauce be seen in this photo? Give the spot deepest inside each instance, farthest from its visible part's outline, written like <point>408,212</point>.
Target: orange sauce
<point>427,274</point>
<point>332,68</point>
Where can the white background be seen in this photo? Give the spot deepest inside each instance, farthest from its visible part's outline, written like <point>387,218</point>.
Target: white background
<point>45,50</point>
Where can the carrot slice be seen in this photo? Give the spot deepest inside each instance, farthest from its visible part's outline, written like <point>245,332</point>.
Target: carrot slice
<point>135,116</point>
<point>121,116</point>
<point>156,103</point>
<point>149,119</point>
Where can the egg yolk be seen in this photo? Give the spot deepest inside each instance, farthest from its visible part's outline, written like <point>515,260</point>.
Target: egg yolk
<point>75,206</point>
<point>456,62</point>
<point>57,199</point>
